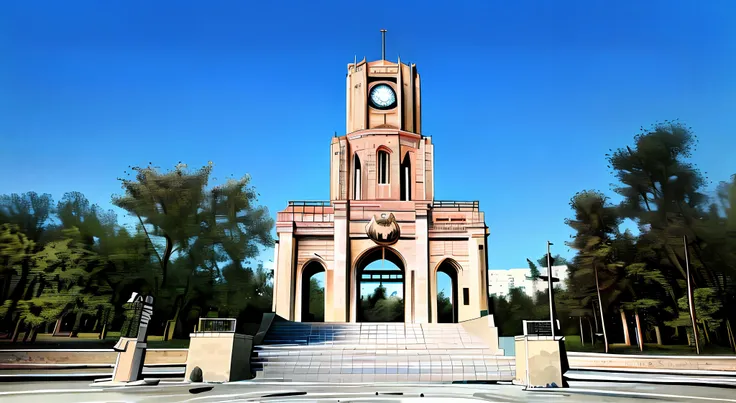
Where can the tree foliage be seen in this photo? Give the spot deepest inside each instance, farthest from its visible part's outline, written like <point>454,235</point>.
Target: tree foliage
<point>191,246</point>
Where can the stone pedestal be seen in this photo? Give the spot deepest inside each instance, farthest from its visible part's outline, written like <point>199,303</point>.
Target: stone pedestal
<point>222,357</point>
<point>540,361</point>
<point>131,356</point>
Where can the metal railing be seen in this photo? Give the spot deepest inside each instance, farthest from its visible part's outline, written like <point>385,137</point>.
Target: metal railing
<point>456,205</point>
<point>216,325</point>
<point>447,226</point>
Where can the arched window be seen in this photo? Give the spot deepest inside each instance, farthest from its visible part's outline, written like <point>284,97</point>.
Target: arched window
<point>356,179</point>
<point>383,164</point>
<point>406,178</point>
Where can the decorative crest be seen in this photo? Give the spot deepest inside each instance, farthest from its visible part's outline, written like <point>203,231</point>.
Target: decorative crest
<point>383,231</point>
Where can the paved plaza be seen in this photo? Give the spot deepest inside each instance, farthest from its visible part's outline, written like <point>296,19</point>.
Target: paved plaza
<point>81,392</point>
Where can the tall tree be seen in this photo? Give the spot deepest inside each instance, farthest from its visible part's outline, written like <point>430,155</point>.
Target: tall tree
<point>662,192</point>
<point>167,206</point>
<point>15,248</point>
<point>595,223</point>
<point>31,213</point>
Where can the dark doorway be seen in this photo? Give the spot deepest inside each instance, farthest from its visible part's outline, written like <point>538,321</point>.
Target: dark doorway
<point>380,287</point>
<point>313,293</point>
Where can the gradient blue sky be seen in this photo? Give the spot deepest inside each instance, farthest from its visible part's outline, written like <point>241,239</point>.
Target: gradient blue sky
<point>526,95</point>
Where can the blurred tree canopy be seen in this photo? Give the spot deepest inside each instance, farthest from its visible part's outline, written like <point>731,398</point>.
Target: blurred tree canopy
<point>620,282</point>
<point>71,265</point>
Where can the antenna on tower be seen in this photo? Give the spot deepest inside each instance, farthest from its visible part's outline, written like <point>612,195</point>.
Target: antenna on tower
<point>383,44</point>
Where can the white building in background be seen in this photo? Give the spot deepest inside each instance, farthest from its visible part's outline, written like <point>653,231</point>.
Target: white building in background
<point>500,282</point>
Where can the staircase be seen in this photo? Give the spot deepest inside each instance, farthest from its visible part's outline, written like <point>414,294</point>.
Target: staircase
<point>376,352</point>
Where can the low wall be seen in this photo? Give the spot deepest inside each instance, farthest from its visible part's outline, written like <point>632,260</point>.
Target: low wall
<point>178,356</point>
<point>15,358</point>
<point>653,362</point>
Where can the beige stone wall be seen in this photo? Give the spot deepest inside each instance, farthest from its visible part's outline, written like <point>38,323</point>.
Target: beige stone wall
<point>89,357</point>
<point>222,357</point>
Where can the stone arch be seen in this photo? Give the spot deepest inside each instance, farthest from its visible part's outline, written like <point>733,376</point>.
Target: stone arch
<point>452,269</point>
<point>309,269</point>
<point>358,266</point>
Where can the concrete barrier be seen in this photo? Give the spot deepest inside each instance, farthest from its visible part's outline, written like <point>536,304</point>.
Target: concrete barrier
<point>154,357</point>
<point>652,362</point>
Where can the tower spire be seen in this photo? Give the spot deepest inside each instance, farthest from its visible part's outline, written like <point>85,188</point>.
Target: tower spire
<point>383,44</point>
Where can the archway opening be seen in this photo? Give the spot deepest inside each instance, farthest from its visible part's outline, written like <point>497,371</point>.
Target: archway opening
<point>313,293</point>
<point>406,178</point>
<point>447,301</point>
<point>357,182</point>
<point>381,288</point>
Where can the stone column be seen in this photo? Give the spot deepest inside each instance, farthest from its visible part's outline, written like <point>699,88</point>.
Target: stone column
<point>341,268</point>
<point>421,267</point>
<point>284,275</point>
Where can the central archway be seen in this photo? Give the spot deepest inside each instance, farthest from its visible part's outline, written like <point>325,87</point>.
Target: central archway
<point>380,289</point>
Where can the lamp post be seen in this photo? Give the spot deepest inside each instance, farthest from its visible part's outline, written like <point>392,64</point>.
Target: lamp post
<point>549,289</point>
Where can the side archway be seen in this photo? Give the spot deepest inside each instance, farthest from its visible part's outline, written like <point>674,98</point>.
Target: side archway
<point>312,301</point>
<point>445,291</point>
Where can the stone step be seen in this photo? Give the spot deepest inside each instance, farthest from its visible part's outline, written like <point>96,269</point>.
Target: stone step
<point>376,352</point>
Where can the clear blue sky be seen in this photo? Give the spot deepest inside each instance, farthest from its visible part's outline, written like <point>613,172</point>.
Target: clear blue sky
<point>527,95</point>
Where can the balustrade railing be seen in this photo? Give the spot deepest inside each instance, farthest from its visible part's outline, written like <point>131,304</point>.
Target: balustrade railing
<point>444,214</point>
<point>456,205</point>
<point>307,211</point>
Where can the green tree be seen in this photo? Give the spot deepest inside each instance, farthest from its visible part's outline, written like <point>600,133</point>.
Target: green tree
<point>595,270</point>
<point>167,203</point>
<point>445,311</point>
<point>31,213</point>
<point>316,301</point>
<point>15,249</point>
<point>662,192</point>
<point>63,281</point>
<point>533,270</point>
<point>557,260</point>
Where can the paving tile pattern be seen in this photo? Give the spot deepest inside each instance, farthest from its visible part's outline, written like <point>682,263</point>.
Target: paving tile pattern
<point>376,352</point>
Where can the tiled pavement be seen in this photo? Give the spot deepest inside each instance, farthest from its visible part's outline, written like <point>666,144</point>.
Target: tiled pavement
<point>376,352</point>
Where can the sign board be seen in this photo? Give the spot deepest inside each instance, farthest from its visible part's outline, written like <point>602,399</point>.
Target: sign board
<point>538,327</point>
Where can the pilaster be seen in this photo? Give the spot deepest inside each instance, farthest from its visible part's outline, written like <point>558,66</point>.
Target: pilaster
<point>284,279</point>
<point>420,269</point>
<point>339,275</point>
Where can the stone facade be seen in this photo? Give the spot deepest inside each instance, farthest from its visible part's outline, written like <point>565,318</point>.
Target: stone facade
<point>382,177</point>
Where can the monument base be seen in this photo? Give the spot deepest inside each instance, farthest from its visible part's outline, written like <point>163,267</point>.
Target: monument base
<point>540,361</point>
<point>131,356</point>
<point>222,357</point>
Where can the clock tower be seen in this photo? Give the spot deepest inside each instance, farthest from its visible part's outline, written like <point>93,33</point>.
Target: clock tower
<point>383,155</point>
<point>383,94</point>
<point>381,226</point>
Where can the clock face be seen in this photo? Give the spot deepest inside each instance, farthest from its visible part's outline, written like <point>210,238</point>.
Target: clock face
<point>382,96</point>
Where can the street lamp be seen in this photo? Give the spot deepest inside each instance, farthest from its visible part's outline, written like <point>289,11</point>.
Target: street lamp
<point>549,289</point>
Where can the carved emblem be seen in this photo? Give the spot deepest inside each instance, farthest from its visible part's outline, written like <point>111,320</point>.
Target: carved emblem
<point>383,231</point>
